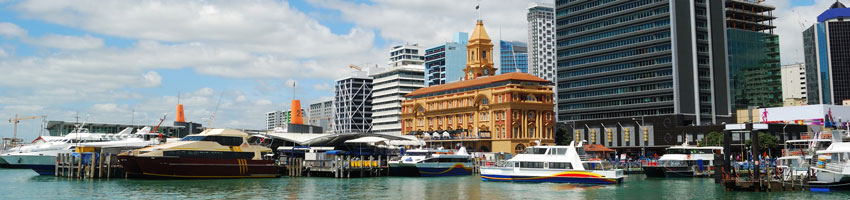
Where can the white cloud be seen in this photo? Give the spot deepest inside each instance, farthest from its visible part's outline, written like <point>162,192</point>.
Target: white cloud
<point>323,87</point>
<point>790,24</point>
<point>11,30</point>
<point>3,53</point>
<point>204,92</point>
<point>67,42</point>
<point>152,79</point>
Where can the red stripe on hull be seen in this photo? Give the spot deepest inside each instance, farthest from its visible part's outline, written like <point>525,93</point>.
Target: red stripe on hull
<point>174,167</point>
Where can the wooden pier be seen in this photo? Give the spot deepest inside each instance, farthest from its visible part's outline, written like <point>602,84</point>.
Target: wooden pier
<point>91,165</point>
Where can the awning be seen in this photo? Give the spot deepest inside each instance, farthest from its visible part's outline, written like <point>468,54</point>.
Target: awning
<point>367,140</point>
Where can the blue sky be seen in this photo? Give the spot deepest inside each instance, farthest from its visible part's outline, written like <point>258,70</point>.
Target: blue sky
<point>114,61</point>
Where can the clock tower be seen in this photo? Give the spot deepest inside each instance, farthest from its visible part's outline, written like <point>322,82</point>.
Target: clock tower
<point>479,62</point>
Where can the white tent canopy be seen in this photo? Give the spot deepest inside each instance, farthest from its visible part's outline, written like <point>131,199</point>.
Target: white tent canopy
<point>367,140</point>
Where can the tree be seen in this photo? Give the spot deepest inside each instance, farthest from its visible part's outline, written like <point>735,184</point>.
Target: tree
<point>562,137</point>
<point>712,139</point>
<point>766,141</point>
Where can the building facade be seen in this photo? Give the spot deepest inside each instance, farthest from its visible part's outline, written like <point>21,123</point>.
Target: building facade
<point>753,50</point>
<point>541,40</point>
<point>277,119</point>
<point>624,59</point>
<point>353,104</point>
<point>513,56</point>
<point>389,88</point>
<point>794,81</point>
<point>408,54</point>
<point>444,63</point>
<point>322,115</point>
<point>827,55</point>
<point>501,113</point>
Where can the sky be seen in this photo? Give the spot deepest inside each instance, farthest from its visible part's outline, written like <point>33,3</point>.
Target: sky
<point>123,61</point>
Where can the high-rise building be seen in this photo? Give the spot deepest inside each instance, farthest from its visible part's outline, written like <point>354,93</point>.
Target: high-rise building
<point>322,115</point>
<point>541,40</point>
<point>753,50</point>
<point>623,59</point>
<point>408,54</point>
<point>444,63</point>
<point>794,81</point>
<point>388,90</point>
<point>484,112</point>
<point>353,104</point>
<point>513,57</point>
<point>827,55</point>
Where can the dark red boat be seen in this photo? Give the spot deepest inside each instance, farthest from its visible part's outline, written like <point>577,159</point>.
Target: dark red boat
<point>214,153</point>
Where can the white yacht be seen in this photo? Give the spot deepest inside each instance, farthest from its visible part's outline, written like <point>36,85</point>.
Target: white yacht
<point>836,168</point>
<point>431,162</point>
<point>562,164</point>
<point>41,158</point>
<point>683,161</point>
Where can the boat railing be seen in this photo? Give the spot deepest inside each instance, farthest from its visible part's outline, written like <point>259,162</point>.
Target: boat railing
<point>837,167</point>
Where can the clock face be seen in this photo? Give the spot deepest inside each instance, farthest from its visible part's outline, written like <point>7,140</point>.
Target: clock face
<point>486,72</point>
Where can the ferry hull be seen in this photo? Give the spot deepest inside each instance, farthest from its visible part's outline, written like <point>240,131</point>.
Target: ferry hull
<point>667,172</point>
<point>191,168</point>
<point>41,164</point>
<point>552,179</point>
<point>4,164</point>
<point>411,170</point>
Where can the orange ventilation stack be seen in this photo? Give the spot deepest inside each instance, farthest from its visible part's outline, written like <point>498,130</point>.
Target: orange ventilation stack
<point>296,117</point>
<point>180,116</point>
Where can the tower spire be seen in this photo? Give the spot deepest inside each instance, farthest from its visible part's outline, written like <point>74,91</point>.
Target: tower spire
<point>480,54</point>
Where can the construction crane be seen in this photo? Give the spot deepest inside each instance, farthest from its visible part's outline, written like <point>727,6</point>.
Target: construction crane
<point>17,120</point>
<point>355,67</point>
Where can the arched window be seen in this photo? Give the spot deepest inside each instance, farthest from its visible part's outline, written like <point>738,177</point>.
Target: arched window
<point>519,148</point>
<point>530,98</point>
<point>484,55</point>
<point>484,101</point>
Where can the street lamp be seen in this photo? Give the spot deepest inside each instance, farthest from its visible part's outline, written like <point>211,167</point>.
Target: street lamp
<point>640,127</point>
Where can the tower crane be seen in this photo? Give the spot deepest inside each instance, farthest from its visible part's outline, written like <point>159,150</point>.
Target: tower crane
<point>355,67</point>
<point>17,120</point>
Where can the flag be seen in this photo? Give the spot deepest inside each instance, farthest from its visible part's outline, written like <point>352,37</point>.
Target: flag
<point>476,7</point>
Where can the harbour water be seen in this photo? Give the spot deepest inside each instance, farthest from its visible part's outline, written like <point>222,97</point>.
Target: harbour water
<point>25,184</point>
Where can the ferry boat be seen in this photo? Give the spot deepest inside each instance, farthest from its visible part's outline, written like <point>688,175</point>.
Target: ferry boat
<point>683,161</point>
<point>561,164</point>
<point>430,162</point>
<point>214,153</point>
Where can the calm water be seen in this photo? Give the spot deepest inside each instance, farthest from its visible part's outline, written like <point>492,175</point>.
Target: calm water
<point>25,184</point>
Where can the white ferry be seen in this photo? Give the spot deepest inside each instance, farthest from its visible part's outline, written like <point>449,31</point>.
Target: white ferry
<point>795,162</point>
<point>561,164</point>
<point>683,161</point>
<point>836,168</point>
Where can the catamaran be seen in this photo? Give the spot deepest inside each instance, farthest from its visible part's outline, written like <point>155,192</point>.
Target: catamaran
<point>562,164</point>
<point>683,161</point>
<point>431,162</point>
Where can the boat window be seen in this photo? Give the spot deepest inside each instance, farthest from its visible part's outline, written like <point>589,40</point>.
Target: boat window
<point>415,153</point>
<point>535,151</point>
<point>531,164</point>
<point>561,151</point>
<point>676,151</point>
<point>222,140</point>
<point>560,165</point>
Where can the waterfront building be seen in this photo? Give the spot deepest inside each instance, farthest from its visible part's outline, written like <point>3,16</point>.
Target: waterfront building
<point>513,57</point>
<point>541,40</point>
<point>812,115</point>
<point>389,88</point>
<point>794,81</point>
<point>632,73</point>
<point>487,113</point>
<point>444,63</point>
<point>179,129</point>
<point>279,118</point>
<point>827,54</point>
<point>322,115</point>
<point>353,104</point>
<point>753,49</point>
<point>407,54</point>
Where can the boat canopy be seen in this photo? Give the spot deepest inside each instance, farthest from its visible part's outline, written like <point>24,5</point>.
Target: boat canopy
<point>836,148</point>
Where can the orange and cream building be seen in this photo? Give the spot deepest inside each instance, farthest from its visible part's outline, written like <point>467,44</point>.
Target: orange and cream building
<point>490,113</point>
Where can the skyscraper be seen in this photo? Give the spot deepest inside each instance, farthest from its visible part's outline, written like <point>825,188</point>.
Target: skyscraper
<point>753,49</point>
<point>624,59</point>
<point>407,54</point>
<point>827,53</point>
<point>353,104</point>
<point>513,57</point>
<point>794,82</point>
<point>389,88</point>
<point>444,63</point>
<point>541,40</point>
